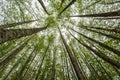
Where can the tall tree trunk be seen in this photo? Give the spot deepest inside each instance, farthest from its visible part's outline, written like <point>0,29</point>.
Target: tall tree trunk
<point>90,67</point>
<point>7,49</point>
<point>78,71</point>
<point>33,72</point>
<point>107,35</point>
<point>101,55</point>
<point>91,5</point>
<point>13,54</point>
<point>107,18</point>
<point>14,66</point>
<point>110,77</point>
<point>117,52</point>
<point>19,76</point>
<point>68,73</point>
<point>117,71</point>
<point>106,14</point>
<point>78,61</point>
<point>22,13</point>
<point>66,63</point>
<point>72,2</point>
<point>110,3</point>
<point>100,64</point>
<point>42,4</point>
<point>10,34</point>
<point>63,68</point>
<point>31,12</point>
<point>116,30</point>
<point>23,75</point>
<point>72,73</point>
<point>40,65</point>
<point>104,71</point>
<point>53,66</point>
<point>16,24</point>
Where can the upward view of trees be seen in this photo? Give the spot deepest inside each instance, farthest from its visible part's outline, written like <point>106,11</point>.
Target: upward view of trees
<point>59,40</point>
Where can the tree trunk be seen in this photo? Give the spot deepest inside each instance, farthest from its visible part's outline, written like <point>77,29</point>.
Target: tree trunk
<point>23,75</point>
<point>63,68</point>
<point>33,72</point>
<point>101,55</point>
<point>72,73</point>
<point>73,60</point>
<point>116,30</point>
<point>42,4</point>
<point>13,54</point>
<point>106,14</point>
<point>117,52</point>
<point>14,66</point>
<point>78,61</point>
<point>90,5</point>
<point>53,66</point>
<point>66,63</point>
<point>19,77</point>
<point>90,67</point>
<point>107,35</point>
<point>15,24</point>
<point>117,71</point>
<point>100,65</point>
<point>107,18</point>
<point>110,77</point>
<point>110,3</point>
<point>10,34</point>
<point>40,65</point>
<point>72,2</point>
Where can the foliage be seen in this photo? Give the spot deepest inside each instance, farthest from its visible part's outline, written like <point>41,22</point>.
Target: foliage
<point>78,37</point>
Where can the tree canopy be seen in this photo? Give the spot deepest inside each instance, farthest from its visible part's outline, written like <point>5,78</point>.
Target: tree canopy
<point>59,40</point>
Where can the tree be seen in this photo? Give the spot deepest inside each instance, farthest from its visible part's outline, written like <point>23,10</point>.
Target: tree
<point>80,39</point>
<point>10,34</point>
<point>107,14</point>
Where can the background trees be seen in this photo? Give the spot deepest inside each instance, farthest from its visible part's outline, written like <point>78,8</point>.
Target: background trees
<point>59,40</point>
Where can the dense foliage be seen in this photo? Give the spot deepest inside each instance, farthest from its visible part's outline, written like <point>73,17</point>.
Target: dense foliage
<point>59,40</point>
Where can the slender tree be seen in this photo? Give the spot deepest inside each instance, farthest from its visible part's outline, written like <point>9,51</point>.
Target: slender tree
<point>23,75</point>
<point>72,2</point>
<point>56,54</point>
<point>107,35</point>
<point>101,55</point>
<point>42,4</point>
<point>90,67</point>
<point>19,76</point>
<point>107,14</point>
<point>107,18</point>
<point>101,44</point>
<point>40,65</point>
<point>73,60</point>
<point>21,11</point>
<point>62,59</point>
<point>53,65</point>
<point>13,54</point>
<point>10,34</point>
<point>116,30</point>
<point>111,3</point>
<point>80,63</point>
<point>100,64</point>
<point>16,24</point>
<point>91,5</point>
<point>118,72</point>
<point>66,61</point>
<point>14,66</point>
